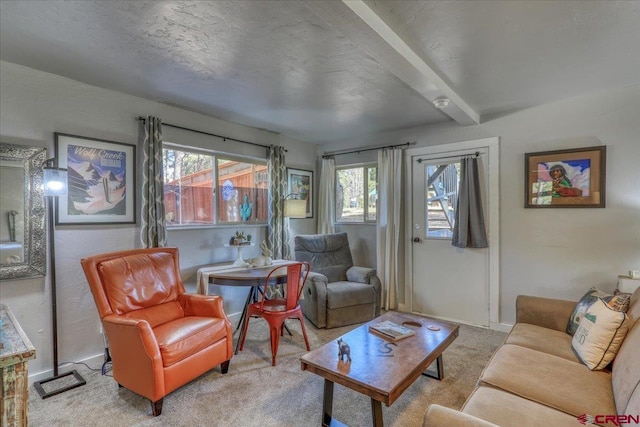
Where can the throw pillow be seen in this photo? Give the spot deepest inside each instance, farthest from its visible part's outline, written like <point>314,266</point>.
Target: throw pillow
<point>618,302</point>
<point>599,335</point>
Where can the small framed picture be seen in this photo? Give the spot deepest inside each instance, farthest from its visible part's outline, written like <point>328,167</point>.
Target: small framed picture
<point>101,179</point>
<point>573,178</point>
<point>300,182</point>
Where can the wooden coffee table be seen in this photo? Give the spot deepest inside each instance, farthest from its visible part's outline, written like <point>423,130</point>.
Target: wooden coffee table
<point>379,368</point>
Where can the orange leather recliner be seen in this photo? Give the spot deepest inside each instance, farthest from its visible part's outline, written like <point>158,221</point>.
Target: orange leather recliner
<point>160,337</point>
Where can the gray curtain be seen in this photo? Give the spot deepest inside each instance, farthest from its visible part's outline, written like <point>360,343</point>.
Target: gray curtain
<point>278,236</point>
<point>469,230</point>
<point>153,233</point>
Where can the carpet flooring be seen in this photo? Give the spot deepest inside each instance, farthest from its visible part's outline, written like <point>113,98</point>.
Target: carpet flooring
<point>253,393</point>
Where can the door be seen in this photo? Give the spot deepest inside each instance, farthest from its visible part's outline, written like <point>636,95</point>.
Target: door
<point>447,282</point>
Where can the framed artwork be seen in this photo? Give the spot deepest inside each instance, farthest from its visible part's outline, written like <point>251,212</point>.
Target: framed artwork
<point>572,178</point>
<point>101,178</point>
<point>300,182</point>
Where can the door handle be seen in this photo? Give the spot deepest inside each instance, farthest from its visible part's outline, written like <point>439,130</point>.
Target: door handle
<point>416,240</point>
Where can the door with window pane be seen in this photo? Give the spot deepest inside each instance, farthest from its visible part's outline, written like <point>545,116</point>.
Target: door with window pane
<point>448,282</point>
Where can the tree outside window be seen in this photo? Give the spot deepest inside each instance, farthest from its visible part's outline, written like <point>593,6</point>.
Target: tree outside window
<point>356,194</point>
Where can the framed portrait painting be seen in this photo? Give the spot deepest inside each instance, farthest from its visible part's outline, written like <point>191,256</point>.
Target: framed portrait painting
<point>573,178</point>
<point>101,180</point>
<point>300,182</point>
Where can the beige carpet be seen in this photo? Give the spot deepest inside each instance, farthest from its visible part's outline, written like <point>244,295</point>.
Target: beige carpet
<point>253,393</point>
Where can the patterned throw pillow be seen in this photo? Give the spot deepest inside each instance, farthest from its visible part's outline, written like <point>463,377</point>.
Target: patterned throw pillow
<point>618,302</point>
<point>600,335</point>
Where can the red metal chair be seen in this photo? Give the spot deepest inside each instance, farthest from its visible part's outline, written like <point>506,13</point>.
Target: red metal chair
<point>276,310</point>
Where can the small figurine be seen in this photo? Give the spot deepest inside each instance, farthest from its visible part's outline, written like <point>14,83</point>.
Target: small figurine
<point>343,350</point>
<point>266,253</point>
<point>239,239</point>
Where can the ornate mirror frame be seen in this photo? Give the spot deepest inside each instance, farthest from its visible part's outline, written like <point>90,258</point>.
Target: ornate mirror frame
<point>34,240</point>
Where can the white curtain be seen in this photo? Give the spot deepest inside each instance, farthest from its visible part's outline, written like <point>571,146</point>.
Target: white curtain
<point>390,259</point>
<point>326,197</point>
<point>153,231</point>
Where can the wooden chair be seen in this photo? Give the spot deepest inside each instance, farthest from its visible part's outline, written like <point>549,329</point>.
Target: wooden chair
<point>276,310</point>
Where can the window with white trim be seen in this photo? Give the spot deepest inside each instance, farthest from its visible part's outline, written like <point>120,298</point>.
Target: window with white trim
<point>356,194</point>
<point>206,188</point>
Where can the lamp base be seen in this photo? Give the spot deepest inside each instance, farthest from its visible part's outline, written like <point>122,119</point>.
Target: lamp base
<point>45,394</point>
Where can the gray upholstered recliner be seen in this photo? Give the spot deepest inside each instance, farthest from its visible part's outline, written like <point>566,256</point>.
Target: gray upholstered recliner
<point>336,293</point>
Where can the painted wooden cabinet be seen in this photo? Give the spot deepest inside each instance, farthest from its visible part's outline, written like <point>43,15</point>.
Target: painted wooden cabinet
<point>15,352</point>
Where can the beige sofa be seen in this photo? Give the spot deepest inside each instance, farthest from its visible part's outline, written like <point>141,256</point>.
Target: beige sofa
<point>535,378</point>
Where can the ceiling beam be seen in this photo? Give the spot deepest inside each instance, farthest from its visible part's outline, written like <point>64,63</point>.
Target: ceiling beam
<point>358,22</point>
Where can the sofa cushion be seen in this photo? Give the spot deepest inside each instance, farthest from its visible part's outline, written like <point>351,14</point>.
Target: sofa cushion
<point>599,335</point>
<point>184,337</point>
<point>550,341</point>
<point>633,408</point>
<point>506,409</point>
<point>618,302</point>
<point>347,294</point>
<point>634,306</point>
<point>550,380</point>
<point>437,415</point>
<point>625,374</point>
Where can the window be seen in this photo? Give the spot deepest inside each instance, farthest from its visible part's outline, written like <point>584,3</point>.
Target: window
<point>191,198</point>
<point>442,199</point>
<point>356,194</point>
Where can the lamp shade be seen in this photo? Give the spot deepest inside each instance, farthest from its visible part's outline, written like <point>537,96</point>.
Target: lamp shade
<point>55,181</point>
<point>294,208</point>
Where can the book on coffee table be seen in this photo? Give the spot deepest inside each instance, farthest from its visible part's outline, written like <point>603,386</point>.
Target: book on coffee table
<point>391,330</point>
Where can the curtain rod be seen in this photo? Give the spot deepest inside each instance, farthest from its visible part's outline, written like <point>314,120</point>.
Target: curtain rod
<point>328,155</point>
<point>224,138</point>
<point>477,153</point>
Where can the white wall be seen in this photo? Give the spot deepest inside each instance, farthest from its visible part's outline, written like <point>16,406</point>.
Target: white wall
<point>549,252</point>
<point>34,105</point>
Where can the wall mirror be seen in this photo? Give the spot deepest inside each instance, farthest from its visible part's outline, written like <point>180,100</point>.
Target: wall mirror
<point>22,212</point>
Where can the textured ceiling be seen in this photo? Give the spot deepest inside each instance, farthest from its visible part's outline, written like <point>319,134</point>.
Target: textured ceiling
<point>301,69</point>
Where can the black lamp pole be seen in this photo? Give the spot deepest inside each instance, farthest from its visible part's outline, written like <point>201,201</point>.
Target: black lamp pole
<point>54,315</point>
<point>54,306</point>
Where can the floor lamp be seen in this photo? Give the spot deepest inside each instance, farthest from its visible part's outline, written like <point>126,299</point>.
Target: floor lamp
<point>55,184</point>
<point>294,208</point>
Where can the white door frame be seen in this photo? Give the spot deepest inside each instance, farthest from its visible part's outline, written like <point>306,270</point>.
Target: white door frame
<point>492,148</point>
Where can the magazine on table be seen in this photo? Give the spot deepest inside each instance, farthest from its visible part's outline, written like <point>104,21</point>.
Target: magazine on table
<point>391,330</point>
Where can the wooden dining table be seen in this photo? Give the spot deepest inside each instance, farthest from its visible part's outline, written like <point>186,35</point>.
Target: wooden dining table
<point>230,275</point>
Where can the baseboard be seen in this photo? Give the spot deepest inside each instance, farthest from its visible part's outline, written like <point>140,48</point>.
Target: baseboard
<point>95,362</point>
<point>502,327</point>
<point>235,318</point>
